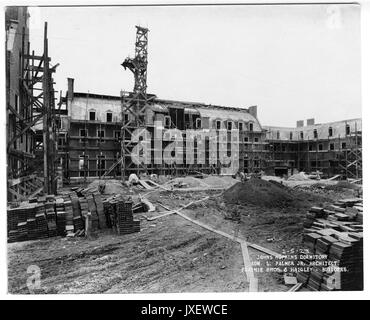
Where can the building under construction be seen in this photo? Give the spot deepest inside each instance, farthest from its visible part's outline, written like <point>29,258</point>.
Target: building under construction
<point>90,135</point>
<point>120,188</point>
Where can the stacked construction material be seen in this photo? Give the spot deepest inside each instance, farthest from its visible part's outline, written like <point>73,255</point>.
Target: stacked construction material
<point>100,210</point>
<point>108,208</point>
<point>84,207</point>
<point>69,216</point>
<point>50,216</point>
<point>125,222</point>
<point>92,210</point>
<point>12,216</point>
<point>335,233</point>
<point>17,224</point>
<point>41,222</point>
<point>61,217</point>
<point>78,222</point>
<point>22,231</point>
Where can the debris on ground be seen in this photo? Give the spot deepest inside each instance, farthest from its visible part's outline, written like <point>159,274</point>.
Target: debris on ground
<point>301,176</point>
<point>266,194</point>
<point>336,233</point>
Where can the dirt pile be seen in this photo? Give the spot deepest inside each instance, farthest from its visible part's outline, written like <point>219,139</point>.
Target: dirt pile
<point>263,193</point>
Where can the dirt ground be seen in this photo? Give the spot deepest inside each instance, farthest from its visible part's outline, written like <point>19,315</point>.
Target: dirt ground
<point>170,254</point>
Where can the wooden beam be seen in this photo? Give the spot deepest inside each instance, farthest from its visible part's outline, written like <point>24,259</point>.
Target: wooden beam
<point>16,194</point>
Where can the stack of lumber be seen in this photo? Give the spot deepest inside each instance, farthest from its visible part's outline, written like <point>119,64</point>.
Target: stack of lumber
<point>100,210</point>
<point>65,215</point>
<point>119,215</point>
<point>92,210</point>
<point>61,217</point>
<point>125,220</point>
<point>334,233</point>
<point>50,216</point>
<point>41,223</point>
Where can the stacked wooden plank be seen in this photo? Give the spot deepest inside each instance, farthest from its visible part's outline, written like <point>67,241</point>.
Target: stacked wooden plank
<point>92,210</point>
<point>41,222</point>
<point>78,222</point>
<point>69,217</point>
<point>50,216</point>
<point>100,210</point>
<point>84,207</point>
<point>61,217</point>
<point>334,232</point>
<point>125,221</point>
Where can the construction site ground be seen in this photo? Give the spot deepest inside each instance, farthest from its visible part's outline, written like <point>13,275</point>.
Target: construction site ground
<point>170,254</point>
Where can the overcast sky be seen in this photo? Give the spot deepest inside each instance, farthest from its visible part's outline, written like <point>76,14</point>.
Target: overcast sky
<point>294,61</point>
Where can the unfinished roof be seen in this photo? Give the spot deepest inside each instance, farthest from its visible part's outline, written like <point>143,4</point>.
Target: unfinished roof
<point>338,129</point>
<point>231,115</point>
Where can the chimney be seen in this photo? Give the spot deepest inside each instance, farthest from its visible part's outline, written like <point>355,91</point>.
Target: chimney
<point>300,123</point>
<point>310,122</point>
<point>253,111</point>
<point>70,91</point>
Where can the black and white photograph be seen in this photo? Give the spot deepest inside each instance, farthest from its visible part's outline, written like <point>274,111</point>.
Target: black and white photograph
<point>159,148</point>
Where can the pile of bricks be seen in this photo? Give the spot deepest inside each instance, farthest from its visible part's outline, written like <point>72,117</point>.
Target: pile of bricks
<point>92,209</point>
<point>50,216</point>
<point>64,215</point>
<point>335,233</point>
<point>119,214</point>
<point>100,210</point>
<point>125,221</point>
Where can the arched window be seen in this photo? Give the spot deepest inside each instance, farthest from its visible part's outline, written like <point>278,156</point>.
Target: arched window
<point>251,126</point>
<point>315,134</point>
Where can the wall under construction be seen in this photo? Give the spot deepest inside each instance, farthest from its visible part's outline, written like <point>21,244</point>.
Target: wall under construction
<point>332,148</point>
<point>92,134</point>
<point>92,139</point>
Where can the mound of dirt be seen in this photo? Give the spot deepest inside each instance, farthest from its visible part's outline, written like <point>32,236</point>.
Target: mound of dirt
<point>263,193</point>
